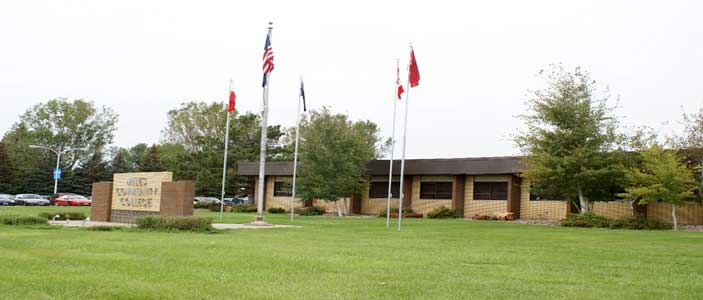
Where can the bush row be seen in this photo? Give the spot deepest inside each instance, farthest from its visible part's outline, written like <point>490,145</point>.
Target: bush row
<point>595,221</point>
<point>276,210</point>
<point>62,215</point>
<point>311,211</point>
<point>241,208</point>
<point>22,220</point>
<point>443,212</point>
<point>174,223</point>
<point>394,211</point>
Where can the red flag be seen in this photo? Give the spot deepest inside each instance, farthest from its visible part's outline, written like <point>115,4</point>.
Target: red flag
<point>397,82</point>
<point>232,96</point>
<point>414,74</point>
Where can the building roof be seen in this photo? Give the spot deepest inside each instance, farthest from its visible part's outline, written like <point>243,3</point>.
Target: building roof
<point>440,166</point>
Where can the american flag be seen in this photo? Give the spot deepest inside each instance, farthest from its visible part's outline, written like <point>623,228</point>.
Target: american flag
<point>302,94</point>
<point>268,59</point>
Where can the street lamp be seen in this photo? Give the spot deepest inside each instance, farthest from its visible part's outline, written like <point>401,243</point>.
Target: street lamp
<point>58,159</point>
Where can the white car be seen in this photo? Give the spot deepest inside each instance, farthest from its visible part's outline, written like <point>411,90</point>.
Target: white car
<point>30,199</point>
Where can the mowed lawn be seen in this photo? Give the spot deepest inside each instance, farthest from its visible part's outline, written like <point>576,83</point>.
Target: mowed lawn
<point>350,258</point>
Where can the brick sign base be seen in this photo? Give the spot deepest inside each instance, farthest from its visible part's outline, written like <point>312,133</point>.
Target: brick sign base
<point>176,200</point>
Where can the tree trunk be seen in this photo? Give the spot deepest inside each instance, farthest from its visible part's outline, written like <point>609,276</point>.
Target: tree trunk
<point>582,201</point>
<point>673,215</point>
<point>339,209</point>
<point>700,189</point>
<point>344,207</point>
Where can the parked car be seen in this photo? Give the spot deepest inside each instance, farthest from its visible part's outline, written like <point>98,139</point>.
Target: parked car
<point>6,199</point>
<point>30,199</point>
<point>53,197</point>
<point>236,200</point>
<point>206,200</point>
<point>72,200</point>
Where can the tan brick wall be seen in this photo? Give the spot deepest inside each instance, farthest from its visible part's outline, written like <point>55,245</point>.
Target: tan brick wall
<point>177,198</point>
<point>282,202</point>
<point>102,196</point>
<point>612,209</point>
<point>540,210</point>
<point>690,213</point>
<point>424,206</point>
<point>373,206</point>
<point>481,207</point>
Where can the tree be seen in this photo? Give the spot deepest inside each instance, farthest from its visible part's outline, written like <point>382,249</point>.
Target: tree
<point>119,163</point>
<point>333,152</point>
<point>58,124</point>
<point>7,171</point>
<point>571,146</point>
<point>152,161</point>
<point>193,145</point>
<point>81,180</point>
<point>661,177</point>
<point>136,155</point>
<point>691,142</point>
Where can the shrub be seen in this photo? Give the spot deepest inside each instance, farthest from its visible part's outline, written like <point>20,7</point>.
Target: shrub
<point>442,212</point>
<point>201,205</point>
<point>407,215</point>
<point>638,222</point>
<point>276,210</point>
<point>214,207</point>
<point>103,228</point>
<point>588,219</point>
<point>382,214</point>
<point>174,223</point>
<point>311,211</point>
<point>22,220</point>
<point>63,215</point>
<point>240,208</point>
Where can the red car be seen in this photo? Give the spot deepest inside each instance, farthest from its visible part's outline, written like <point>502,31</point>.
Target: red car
<point>72,200</point>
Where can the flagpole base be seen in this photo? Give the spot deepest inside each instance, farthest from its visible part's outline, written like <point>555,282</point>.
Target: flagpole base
<point>260,223</point>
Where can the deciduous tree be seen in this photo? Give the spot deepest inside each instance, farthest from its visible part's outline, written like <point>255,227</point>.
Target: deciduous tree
<point>661,177</point>
<point>333,152</point>
<point>571,145</point>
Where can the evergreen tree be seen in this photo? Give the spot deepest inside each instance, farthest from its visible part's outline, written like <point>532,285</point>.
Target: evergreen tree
<point>80,180</point>
<point>7,171</point>
<point>119,163</point>
<point>152,161</point>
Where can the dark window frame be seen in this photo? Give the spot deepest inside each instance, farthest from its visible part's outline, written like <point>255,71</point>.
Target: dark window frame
<point>379,189</point>
<point>278,190</point>
<point>491,190</point>
<point>436,190</point>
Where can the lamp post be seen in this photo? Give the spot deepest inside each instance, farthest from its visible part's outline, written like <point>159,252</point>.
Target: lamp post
<point>58,153</point>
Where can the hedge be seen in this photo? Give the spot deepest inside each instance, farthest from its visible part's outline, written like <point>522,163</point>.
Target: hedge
<point>63,215</point>
<point>174,223</point>
<point>22,220</point>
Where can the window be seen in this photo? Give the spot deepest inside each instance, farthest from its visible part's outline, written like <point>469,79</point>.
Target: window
<point>435,190</point>
<point>539,193</point>
<point>379,189</point>
<point>490,191</point>
<point>282,189</point>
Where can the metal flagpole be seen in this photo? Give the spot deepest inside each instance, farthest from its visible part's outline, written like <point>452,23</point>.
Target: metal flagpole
<point>224,164</point>
<point>295,155</point>
<point>390,167</point>
<point>262,156</point>
<point>402,160</point>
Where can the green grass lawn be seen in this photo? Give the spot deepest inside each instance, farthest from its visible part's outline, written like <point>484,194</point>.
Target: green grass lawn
<point>351,258</point>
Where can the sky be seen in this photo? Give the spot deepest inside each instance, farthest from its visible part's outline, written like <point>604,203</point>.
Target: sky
<point>477,61</point>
